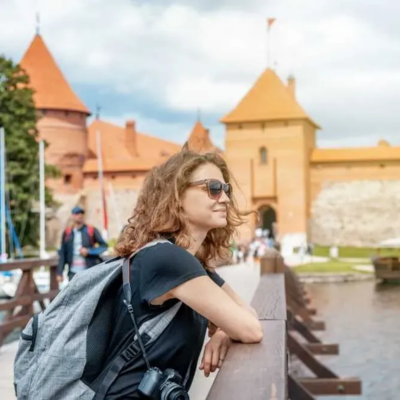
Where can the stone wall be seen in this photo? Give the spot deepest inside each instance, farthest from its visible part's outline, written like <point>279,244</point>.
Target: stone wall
<point>120,205</point>
<point>357,213</point>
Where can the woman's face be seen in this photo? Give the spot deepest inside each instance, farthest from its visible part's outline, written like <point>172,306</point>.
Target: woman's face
<point>203,212</point>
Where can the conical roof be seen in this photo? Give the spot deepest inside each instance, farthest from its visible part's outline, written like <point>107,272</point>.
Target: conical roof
<point>52,90</point>
<point>199,140</point>
<point>269,99</point>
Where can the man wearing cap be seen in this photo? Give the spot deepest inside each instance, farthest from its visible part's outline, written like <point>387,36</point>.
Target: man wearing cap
<point>81,246</point>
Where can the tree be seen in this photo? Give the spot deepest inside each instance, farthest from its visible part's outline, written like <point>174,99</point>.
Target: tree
<point>18,117</point>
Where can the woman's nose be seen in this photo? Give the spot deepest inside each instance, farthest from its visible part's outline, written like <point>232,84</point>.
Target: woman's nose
<point>224,198</point>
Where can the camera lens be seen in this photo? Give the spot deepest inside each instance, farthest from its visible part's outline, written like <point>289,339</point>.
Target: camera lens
<point>174,391</point>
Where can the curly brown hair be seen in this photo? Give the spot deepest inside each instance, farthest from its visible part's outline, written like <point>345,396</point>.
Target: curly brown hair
<point>157,213</point>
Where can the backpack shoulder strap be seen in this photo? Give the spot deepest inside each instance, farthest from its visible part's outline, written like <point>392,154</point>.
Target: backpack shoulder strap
<point>149,331</point>
<point>67,233</point>
<point>90,231</point>
<point>154,327</point>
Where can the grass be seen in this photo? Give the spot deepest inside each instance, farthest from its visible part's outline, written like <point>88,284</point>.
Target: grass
<point>355,252</point>
<point>327,267</point>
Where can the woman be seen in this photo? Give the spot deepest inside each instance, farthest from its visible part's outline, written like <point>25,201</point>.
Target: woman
<point>188,201</point>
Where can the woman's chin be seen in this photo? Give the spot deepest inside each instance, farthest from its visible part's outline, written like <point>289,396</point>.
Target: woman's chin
<point>220,223</point>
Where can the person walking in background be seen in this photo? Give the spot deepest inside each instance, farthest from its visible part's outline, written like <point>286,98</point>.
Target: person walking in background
<point>81,246</point>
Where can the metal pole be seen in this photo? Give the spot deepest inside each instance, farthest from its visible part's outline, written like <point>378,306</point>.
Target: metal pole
<point>2,192</point>
<point>269,47</point>
<point>101,180</point>
<point>42,200</point>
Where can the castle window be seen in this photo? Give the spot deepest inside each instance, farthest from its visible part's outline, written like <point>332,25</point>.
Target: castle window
<point>263,155</point>
<point>67,179</point>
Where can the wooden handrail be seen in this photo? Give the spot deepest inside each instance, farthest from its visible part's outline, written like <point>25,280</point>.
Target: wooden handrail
<point>259,371</point>
<point>27,264</point>
<point>301,321</point>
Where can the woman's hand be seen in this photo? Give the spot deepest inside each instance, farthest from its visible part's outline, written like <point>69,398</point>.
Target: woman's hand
<point>215,352</point>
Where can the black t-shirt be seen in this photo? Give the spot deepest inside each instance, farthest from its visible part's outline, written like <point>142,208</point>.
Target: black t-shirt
<point>154,272</point>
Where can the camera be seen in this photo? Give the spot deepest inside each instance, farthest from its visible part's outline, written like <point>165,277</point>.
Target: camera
<point>158,385</point>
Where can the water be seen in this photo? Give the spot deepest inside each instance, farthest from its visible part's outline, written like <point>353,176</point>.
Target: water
<point>364,318</point>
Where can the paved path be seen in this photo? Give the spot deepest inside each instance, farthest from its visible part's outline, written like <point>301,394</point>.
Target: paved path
<point>243,278</point>
<point>7,354</point>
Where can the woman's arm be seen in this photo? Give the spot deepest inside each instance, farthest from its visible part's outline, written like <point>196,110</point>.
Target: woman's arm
<point>238,300</point>
<point>209,300</point>
<point>212,328</point>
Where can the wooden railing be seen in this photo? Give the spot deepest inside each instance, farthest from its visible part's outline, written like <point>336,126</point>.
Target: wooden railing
<point>250,371</point>
<point>303,344</point>
<point>21,307</point>
<point>259,371</point>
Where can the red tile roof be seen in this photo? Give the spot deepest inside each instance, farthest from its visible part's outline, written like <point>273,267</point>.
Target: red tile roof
<point>269,99</point>
<point>150,150</point>
<point>200,141</point>
<point>52,91</point>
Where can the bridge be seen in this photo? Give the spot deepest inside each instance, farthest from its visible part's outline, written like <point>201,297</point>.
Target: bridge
<point>258,372</point>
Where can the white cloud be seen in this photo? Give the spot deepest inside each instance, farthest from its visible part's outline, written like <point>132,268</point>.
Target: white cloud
<point>206,54</point>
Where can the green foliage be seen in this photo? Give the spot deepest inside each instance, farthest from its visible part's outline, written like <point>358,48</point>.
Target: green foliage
<point>327,267</point>
<point>355,252</point>
<point>18,117</point>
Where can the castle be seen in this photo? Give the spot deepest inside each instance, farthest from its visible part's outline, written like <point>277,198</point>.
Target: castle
<point>342,196</point>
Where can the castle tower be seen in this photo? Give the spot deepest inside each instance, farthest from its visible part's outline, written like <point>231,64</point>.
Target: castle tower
<point>269,139</point>
<point>62,116</point>
<point>199,140</point>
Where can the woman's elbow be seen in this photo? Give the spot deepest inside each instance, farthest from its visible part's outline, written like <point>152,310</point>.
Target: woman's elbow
<point>253,335</point>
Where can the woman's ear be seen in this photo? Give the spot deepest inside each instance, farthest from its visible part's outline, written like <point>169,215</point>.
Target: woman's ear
<point>185,147</point>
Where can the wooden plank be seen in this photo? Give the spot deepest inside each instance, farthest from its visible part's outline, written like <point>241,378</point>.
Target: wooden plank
<point>332,387</point>
<point>302,329</point>
<point>316,325</point>
<point>308,359</point>
<point>297,391</point>
<point>11,304</point>
<point>14,323</point>
<point>322,348</point>
<point>269,300</point>
<point>27,300</point>
<point>27,264</point>
<point>255,371</point>
<point>312,311</point>
<point>305,316</point>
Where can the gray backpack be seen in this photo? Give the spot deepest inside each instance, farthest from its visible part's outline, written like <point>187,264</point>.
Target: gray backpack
<point>52,352</point>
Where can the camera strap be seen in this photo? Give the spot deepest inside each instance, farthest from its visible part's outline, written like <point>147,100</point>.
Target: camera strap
<point>152,329</point>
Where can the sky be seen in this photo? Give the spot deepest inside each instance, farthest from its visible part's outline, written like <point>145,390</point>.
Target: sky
<point>160,61</point>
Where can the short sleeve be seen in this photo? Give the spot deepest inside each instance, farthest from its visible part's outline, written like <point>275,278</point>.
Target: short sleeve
<point>215,277</point>
<point>164,267</point>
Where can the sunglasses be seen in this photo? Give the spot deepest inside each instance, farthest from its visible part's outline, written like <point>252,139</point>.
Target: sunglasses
<point>214,188</point>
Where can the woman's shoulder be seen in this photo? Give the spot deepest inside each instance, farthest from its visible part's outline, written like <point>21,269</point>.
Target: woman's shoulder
<point>165,253</point>
<point>166,264</point>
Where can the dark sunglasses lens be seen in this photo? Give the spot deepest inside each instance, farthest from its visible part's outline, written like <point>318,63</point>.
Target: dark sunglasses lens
<point>228,189</point>
<point>215,188</point>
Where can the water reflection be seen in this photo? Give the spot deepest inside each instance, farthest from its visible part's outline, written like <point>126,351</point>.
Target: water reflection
<point>364,318</point>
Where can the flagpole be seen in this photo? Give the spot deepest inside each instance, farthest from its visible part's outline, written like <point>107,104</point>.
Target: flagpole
<point>269,47</point>
<point>2,193</point>
<point>270,22</point>
<point>101,183</point>
<point>42,201</point>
